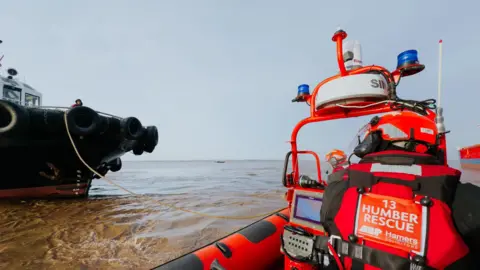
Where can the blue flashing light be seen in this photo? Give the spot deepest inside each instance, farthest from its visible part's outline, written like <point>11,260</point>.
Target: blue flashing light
<point>407,58</point>
<point>303,89</point>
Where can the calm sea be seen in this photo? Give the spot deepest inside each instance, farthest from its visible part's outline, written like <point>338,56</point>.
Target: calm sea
<point>116,230</point>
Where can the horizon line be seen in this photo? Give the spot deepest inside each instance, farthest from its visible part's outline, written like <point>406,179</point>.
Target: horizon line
<point>186,160</point>
<point>257,159</point>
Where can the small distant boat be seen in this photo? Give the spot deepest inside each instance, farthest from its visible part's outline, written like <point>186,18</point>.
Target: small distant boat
<point>220,161</point>
<point>470,157</point>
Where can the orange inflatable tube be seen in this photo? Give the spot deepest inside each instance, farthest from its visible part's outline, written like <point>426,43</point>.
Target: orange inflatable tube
<point>256,246</point>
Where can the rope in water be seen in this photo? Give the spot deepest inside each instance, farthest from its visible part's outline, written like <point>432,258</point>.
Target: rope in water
<point>154,200</point>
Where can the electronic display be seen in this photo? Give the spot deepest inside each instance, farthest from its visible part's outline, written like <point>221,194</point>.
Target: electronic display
<point>307,208</point>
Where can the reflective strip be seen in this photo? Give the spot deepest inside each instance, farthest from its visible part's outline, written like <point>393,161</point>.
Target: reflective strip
<point>393,132</point>
<point>357,214</point>
<point>424,230</point>
<point>414,169</point>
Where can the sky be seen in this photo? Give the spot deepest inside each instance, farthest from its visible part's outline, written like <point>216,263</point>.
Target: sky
<point>217,77</point>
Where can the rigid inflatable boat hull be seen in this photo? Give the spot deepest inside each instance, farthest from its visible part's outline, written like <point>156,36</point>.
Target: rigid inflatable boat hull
<point>256,246</point>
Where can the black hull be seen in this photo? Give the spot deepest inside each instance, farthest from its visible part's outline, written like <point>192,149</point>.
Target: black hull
<point>39,161</point>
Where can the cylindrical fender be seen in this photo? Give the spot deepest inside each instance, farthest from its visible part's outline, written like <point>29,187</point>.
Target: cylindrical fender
<point>83,121</point>
<point>138,148</point>
<point>14,119</point>
<point>115,165</point>
<point>131,128</point>
<point>150,139</point>
<point>104,124</point>
<point>256,246</point>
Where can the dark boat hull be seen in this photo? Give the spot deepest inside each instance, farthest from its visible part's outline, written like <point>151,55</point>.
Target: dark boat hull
<point>38,158</point>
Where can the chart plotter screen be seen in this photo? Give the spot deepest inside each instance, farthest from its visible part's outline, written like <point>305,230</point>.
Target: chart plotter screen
<point>308,209</point>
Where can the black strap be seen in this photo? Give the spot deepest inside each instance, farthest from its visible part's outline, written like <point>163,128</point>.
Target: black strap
<point>367,180</point>
<point>441,187</point>
<point>398,159</point>
<point>336,176</point>
<point>367,255</point>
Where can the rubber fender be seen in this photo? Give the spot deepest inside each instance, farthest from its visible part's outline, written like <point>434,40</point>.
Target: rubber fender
<point>256,246</point>
<point>104,124</point>
<point>115,165</point>
<point>131,128</point>
<point>138,148</point>
<point>14,119</point>
<point>83,121</point>
<point>102,170</point>
<point>150,139</point>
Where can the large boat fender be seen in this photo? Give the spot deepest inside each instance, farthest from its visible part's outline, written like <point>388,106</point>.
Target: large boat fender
<point>150,139</point>
<point>45,122</point>
<point>14,119</point>
<point>147,142</point>
<point>131,128</point>
<point>115,165</point>
<point>83,121</point>
<point>256,246</point>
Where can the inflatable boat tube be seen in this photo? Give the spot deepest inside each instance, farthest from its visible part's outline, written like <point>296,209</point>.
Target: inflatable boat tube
<point>256,246</point>
<point>14,119</point>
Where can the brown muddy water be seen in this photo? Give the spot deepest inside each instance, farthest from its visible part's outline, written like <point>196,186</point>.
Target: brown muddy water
<point>115,230</point>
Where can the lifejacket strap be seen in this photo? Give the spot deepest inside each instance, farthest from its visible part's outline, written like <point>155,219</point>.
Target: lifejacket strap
<point>398,159</point>
<point>439,187</point>
<point>369,256</point>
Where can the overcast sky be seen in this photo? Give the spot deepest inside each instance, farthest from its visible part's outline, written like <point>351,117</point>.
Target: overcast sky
<point>217,77</point>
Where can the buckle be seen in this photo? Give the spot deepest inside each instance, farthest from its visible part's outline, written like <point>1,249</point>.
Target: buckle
<point>331,241</point>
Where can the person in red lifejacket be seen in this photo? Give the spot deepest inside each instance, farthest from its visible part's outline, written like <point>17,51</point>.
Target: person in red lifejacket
<point>78,102</point>
<point>399,206</point>
<point>337,159</point>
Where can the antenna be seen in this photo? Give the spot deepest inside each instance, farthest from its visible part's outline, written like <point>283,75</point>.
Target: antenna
<point>1,57</point>
<point>439,119</point>
<point>439,93</point>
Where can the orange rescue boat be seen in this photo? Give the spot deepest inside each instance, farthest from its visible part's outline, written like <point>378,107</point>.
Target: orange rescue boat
<point>285,240</point>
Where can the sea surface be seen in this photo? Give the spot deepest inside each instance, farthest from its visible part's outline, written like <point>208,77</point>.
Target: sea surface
<point>114,229</point>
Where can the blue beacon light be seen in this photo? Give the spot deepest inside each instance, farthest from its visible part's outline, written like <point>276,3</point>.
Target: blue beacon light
<point>303,89</point>
<point>408,64</point>
<point>407,58</point>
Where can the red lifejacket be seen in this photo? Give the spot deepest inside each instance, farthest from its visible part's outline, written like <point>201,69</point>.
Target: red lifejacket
<point>395,209</point>
<point>340,167</point>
